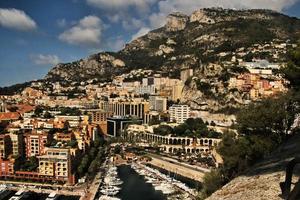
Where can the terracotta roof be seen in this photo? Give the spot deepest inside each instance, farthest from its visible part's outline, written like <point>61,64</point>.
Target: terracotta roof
<point>9,116</point>
<point>23,108</point>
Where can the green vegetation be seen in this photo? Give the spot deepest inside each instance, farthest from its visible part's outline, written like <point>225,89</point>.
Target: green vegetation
<point>292,70</point>
<point>70,111</point>
<point>163,130</point>
<point>262,127</point>
<point>205,88</point>
<point>211,182</point>
<point>30,165</point>
<point>190,128</point>
<point>92,159</point>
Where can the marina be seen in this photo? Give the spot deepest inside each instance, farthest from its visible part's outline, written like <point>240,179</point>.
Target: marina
<point>139,181</point>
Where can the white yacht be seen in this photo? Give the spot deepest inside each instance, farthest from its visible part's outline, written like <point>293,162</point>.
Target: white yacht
<point>105,197</point>
<point>52,196</point>
<point>18,195</point>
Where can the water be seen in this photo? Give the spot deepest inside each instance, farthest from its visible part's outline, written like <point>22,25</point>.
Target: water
<point>134,186</point>
<point>189,182</point>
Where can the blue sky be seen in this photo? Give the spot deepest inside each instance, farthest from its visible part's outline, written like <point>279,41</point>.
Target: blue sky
<point>37,34</point>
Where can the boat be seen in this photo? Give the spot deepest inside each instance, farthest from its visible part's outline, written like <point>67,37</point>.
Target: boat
<point>105,197</point>
<point>52,196</point>
<point>18,195</point>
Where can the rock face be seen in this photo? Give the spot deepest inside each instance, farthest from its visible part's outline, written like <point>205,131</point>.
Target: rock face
<point>262,181</point>
<point>201,17</point>
<point>176,22</point>
<point>97,65</point>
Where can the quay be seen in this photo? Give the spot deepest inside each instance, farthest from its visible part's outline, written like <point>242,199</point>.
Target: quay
<point>192,172</point>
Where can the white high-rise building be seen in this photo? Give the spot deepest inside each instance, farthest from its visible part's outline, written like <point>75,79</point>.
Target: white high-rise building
<point>179,113</point>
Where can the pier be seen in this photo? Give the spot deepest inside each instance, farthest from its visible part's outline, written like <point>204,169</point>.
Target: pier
<point>192,172</point>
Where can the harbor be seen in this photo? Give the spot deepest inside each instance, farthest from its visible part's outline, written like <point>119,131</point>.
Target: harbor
<point>136,180</point>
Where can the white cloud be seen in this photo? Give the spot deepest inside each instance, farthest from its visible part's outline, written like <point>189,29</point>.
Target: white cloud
<point>16,19</point>
<point>142,5</point>
<point>116,44</point>
<point>157,20</point>
<point>132,24</point>
<point>141,32</point>
<point>132,14</point>
<point>40,59</point>
<point>87,32</point>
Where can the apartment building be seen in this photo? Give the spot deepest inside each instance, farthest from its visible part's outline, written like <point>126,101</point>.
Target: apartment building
<point>179,113</point>
<point>4,147</point>
<point>35,143</point>
<point>56,162</point>
<point>16,140</point>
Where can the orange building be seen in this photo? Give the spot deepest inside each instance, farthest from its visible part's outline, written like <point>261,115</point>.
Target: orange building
<point>35,143</point>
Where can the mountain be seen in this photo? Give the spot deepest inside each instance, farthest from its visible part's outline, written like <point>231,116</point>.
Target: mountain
<point>185,41</point>
<point>211,41</point>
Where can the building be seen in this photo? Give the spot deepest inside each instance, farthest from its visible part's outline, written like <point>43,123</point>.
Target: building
<point>9,116</point>
<point>35,143</point>
<point>179,113</point>
<point>6,167</point>
<point>4,146</point>
<point>115,125</point>
<point>158,103</point>
<point>136,107</point>
<point>177,91</point>
<point>16,139</point>
<point>98,116</point>
<point>2,106</point>
<point>56,162</point>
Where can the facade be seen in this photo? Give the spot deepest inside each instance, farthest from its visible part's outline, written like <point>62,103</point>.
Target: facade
<point>4,147</point>
<point>6,167</point>
<point>158,103</point>
<point>35,143</point>
<point>56,163</point>
<point>126,107</point>
<point>2,106</point>
<point>99,116</point>
<point>170,144</point>
<point>179,113</point>
<point>115,125</point>
<point>177,91</point>
<point>16,143</point>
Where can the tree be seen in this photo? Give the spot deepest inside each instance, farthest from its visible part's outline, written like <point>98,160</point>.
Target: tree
<point>212,181</point>
<point>292,70</point>
<point>93,167</point>
<point>163,130</point>
<point>117,149</point>
<point>271,117</point>
<point>47,115</point>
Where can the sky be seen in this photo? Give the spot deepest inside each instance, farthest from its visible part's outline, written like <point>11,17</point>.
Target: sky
<point>35,35</point>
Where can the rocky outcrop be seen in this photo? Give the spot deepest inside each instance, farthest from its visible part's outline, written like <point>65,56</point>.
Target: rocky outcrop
<point>176,22</point>
<point>262,181</point>
<point>201,17</point>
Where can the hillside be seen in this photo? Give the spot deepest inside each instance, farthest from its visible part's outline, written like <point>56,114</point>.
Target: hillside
<point>211,41</point>
<point>185,41</point>
<point>262,180</point>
